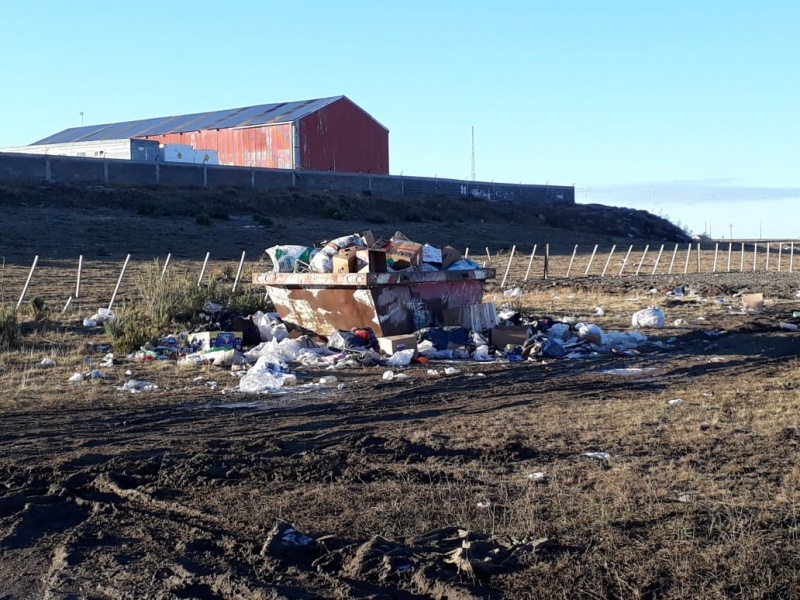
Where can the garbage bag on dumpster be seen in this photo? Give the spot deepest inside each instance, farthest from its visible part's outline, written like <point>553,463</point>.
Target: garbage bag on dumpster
<point>287,259</point>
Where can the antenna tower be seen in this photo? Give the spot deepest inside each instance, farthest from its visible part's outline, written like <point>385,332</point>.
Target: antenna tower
<point>473,153</point>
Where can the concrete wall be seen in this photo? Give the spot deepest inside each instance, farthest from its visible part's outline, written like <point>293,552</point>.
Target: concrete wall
<point>33,168</point>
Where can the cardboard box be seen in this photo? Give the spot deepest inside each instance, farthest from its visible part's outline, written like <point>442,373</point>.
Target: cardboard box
<point>369,237</point>
<point>753,302</point>
<point>503,335</point>
<point>450,255</point>
<point>478,317</point>
<point>229,340</point>
<point>393,343</point>
<point>371,260</point>
<point>346,261</point>
<point>402,255</point>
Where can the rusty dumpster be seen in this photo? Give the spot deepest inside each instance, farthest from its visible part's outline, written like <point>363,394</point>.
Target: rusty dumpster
<point>389,303</point>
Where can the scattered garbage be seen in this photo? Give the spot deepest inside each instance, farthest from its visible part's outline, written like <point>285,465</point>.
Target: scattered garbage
<point>135,386</point>
<point>401,358</point>
<point>540,477</point>
<point>675,401</point>
<point>328,379</point>
<point>76,377</point>
<point>787,326</point>
<point>648,317</point>
<point>392,376</point>
<point>265,376</point>
<point>47,362</point>
<point>103,315</point>
<point>484,504</point>
<point>628,371</point>
<point>590,333</point>
<point>451,371</point>
<point>95,374</point>
<point>598,455</point>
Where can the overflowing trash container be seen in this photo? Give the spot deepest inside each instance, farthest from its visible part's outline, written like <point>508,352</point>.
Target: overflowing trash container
<point>390,303</point>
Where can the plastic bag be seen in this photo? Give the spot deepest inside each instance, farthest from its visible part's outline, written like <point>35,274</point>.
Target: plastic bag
<point>285,258</point>
<point>590,333</point>
<point>262,322</point>
<point>465,264</point>
<point>401,358</point>
<point>651,316</point>
<point>322,262</point>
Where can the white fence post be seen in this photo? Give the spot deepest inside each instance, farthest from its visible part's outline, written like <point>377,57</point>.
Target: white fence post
<point>730,247</point>
<point>716,251</point>
<point>572,260</point>
<point>608,260</point>
<point>203,270</point>
<point>508,266</point>
<point>672,262</point>
<point>591,259</point>
<point>688,256</point>
<point>238,273</point>
<point>116,289</point>
<point>658,259</point>
<point>530,262</point>
<point>641,261</point>
<point>166,262</point>
<point>625,260</point>
<point>78,283</point>
<point>28,281</point>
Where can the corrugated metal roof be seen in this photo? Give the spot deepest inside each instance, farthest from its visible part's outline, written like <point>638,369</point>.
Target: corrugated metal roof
<point>263,114</point>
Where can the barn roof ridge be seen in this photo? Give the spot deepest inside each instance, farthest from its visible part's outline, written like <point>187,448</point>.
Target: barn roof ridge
<point>247,116</point>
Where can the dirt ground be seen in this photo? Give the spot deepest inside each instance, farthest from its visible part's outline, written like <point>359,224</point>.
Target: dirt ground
<point>423,488</point>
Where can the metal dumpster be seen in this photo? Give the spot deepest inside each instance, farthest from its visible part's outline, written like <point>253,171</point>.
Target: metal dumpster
<point>389,303</point>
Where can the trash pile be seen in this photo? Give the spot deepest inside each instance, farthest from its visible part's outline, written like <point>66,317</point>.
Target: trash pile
<point>363,253</point>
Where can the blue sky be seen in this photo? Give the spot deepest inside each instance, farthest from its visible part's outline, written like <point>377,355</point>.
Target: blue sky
<point>686,109</point>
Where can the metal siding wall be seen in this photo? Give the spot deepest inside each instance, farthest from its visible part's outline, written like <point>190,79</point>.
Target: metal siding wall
<point>267,146</point>
<point>342,137</point>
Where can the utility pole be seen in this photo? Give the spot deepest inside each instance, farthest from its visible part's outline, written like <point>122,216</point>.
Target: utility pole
<point>730,229</point>
<point>473,153</point>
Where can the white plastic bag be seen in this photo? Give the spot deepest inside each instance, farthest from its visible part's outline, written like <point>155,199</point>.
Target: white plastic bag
<point>651,316</point>
<point>285,258</point>
<point>590,332</point>
<point>262,322</point>
<point>401,358</point>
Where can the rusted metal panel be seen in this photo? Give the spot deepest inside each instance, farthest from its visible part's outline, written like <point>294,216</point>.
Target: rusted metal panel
<point>268,146</point>
<point>389,303</point>
<point>342,137</point>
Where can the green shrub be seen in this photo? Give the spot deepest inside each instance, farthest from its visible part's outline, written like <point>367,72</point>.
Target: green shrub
<point>152,209</point>
<point>130,330</point>
<point>331,211</point>
<point>9,328</point>
<point>38,310</point>
<point>203,219</point>
<point>219,212</point>
<point>263,220</point>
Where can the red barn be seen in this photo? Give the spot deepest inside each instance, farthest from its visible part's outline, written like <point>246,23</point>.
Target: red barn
<point>325,134</point>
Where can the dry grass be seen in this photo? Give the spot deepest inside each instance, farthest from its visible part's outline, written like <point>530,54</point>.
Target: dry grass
<point>699,500</point>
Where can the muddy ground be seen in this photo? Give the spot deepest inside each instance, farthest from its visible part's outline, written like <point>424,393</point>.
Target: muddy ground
<point>423,488</point>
